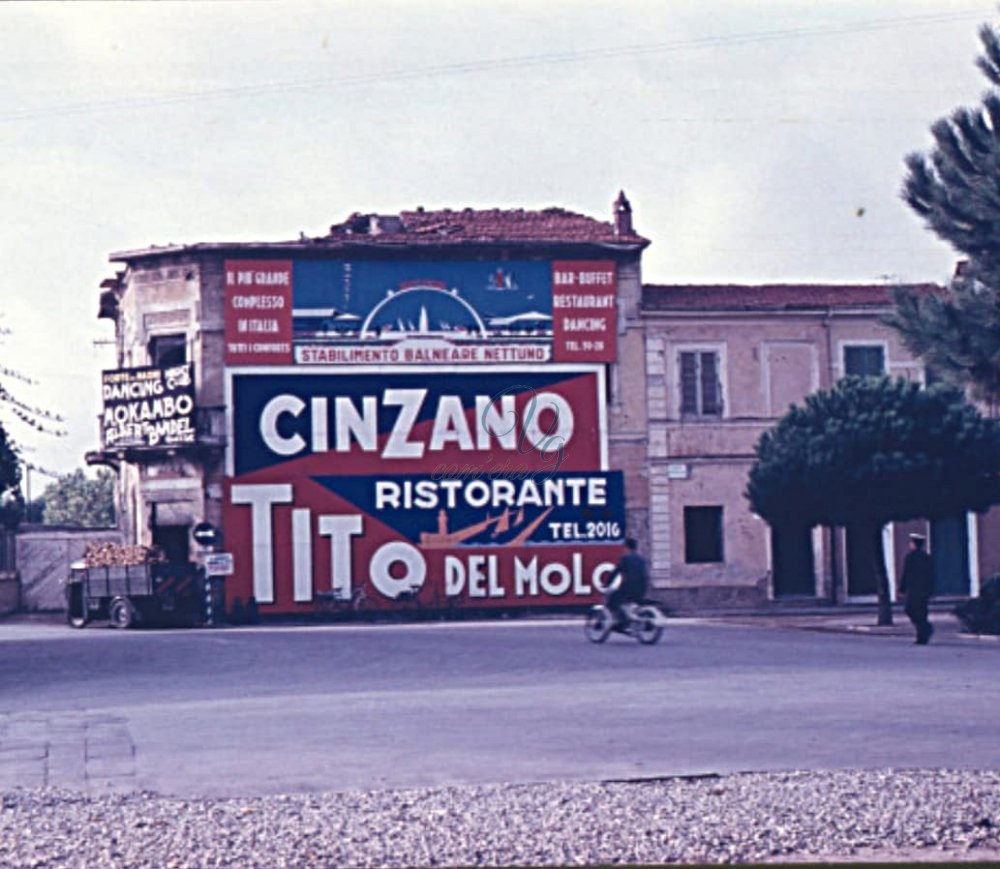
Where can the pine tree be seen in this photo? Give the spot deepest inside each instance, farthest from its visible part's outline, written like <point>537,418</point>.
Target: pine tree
<point>871,451</point>
<point>956,190</point>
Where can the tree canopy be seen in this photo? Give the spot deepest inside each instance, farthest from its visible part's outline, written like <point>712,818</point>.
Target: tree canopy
<point>877,450</point>
<point>956,190</point>
<point>11,503</point>
<point>873,450</point>
<point>957,335</point>
<point>73,499</point>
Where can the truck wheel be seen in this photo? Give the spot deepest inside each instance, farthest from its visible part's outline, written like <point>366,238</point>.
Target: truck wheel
<point>121,613</point>
<point>76,607</point>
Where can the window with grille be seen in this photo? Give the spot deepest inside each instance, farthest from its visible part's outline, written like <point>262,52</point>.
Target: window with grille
<point>701,389</point>
<point>864,360</point>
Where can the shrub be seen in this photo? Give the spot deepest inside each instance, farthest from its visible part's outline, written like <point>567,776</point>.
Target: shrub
<point>981,615</point>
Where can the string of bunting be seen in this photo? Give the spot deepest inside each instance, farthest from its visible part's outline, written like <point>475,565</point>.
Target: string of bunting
<point>19,407</point>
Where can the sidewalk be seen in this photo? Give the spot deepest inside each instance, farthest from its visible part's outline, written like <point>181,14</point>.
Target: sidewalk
<point>864,623</point>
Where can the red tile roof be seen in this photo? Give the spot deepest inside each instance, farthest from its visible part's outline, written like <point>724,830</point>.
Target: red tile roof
<point>550,227</point>
<point>490,226</point>
<point>742,297</point>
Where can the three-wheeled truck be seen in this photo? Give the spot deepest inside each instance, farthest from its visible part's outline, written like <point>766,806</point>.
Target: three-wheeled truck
<point>129,594</point>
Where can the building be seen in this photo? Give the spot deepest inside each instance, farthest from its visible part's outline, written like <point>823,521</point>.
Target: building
<point>473,408</point>
<point>428,405</point>
<point>723,363</point>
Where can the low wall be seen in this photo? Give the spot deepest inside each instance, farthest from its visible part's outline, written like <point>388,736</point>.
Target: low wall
<point>704,599</point>
<point>43,558</point>
<point>10,592</point>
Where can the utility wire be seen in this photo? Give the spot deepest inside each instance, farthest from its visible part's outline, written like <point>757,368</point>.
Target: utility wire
<point>507,63</point>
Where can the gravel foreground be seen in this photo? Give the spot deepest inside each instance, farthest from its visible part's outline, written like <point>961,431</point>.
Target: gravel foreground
<point>774,817</point>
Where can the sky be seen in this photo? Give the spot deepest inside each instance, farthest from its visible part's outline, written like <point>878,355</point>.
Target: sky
<point>757,141</point>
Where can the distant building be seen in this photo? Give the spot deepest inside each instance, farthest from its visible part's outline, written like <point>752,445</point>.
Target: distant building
<point>435,405</point>
<point>723,363</point>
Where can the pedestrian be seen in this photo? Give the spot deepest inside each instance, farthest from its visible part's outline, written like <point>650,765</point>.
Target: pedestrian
<point>917,583</point>
<point>633,585</point>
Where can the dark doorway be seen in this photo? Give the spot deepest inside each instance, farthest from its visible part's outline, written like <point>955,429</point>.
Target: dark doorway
<point>173,540</point>
<point>950,554</point>
<point>861,579</point>
<point>792,555</point>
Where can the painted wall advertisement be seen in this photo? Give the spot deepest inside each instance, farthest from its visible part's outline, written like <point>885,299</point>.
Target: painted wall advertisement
<point>258,314</point>
<point>148,407</point>
<point>475,487</point>
<point>383,312</point>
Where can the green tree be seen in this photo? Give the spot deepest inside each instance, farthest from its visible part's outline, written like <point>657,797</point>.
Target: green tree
<point>73,499</point>
<point>873,450</point>
<point>956,190</point>
<point>11,501</point>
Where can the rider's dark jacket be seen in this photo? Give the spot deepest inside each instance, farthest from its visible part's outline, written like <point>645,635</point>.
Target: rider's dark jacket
<point>635,578</point>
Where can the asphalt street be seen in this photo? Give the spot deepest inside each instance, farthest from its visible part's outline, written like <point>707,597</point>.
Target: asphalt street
<point>247,711</point>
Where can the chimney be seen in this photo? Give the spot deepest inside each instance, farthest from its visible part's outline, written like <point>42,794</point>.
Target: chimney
<point>623,215</point>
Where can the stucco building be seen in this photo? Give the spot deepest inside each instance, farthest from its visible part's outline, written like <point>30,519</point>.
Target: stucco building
<point>723,363</point>
<point>366,411</point>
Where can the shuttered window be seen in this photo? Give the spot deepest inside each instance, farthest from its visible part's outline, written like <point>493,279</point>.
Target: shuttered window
<point>701,392</point>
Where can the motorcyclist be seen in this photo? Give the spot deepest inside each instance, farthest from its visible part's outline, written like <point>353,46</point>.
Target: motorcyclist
<point>634,582</point>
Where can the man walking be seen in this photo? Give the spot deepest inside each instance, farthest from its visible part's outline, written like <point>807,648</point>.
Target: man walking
<point>917,583</point>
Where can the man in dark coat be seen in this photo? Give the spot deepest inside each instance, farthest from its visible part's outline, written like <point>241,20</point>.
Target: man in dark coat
<point>634,582</point>
<point>917,583</point>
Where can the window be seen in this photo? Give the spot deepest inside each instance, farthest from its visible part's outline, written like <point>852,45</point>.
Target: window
<point>864,360</point>
<point>167,350</point>
<point>702,535</point>
<point>701,392</point>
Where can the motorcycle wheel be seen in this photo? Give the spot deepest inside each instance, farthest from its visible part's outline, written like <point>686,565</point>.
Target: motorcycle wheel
<point>647,630</point>
<point>598,624</point>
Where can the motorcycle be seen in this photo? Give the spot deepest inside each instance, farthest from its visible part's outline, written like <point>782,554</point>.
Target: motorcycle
<point>646,622</point>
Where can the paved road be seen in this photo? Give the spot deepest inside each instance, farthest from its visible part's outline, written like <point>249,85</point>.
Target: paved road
<point>279,709</point>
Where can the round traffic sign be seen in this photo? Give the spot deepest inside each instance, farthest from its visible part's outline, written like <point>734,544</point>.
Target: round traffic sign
<point>205,533</point>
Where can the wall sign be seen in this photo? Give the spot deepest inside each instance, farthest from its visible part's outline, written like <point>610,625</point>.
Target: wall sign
<point>148,407</point>
<point>435,313</point>
<point>258,316</point>
<point>584,320</point>
<point>469,488</point>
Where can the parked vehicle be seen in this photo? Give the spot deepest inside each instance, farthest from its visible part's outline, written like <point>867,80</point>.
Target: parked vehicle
<point>646,622</point>
<point>130,594</point>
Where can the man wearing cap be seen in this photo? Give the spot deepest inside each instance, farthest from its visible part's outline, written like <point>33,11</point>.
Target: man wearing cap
<point>917,583</point>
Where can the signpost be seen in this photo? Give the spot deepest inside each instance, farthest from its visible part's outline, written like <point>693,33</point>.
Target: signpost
<point>206,535</point>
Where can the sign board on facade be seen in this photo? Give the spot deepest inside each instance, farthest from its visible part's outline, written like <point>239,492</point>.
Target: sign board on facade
<point>584,313</point>
<point>148,407</point>
<point>473,487</point>
<point>218,564</point>
<point>384,312</point>
<point>258,316</point>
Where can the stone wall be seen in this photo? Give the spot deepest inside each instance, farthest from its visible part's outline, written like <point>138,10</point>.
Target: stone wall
<point>43,559</point>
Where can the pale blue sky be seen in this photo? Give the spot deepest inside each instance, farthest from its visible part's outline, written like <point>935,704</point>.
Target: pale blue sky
<point>747,135</point>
